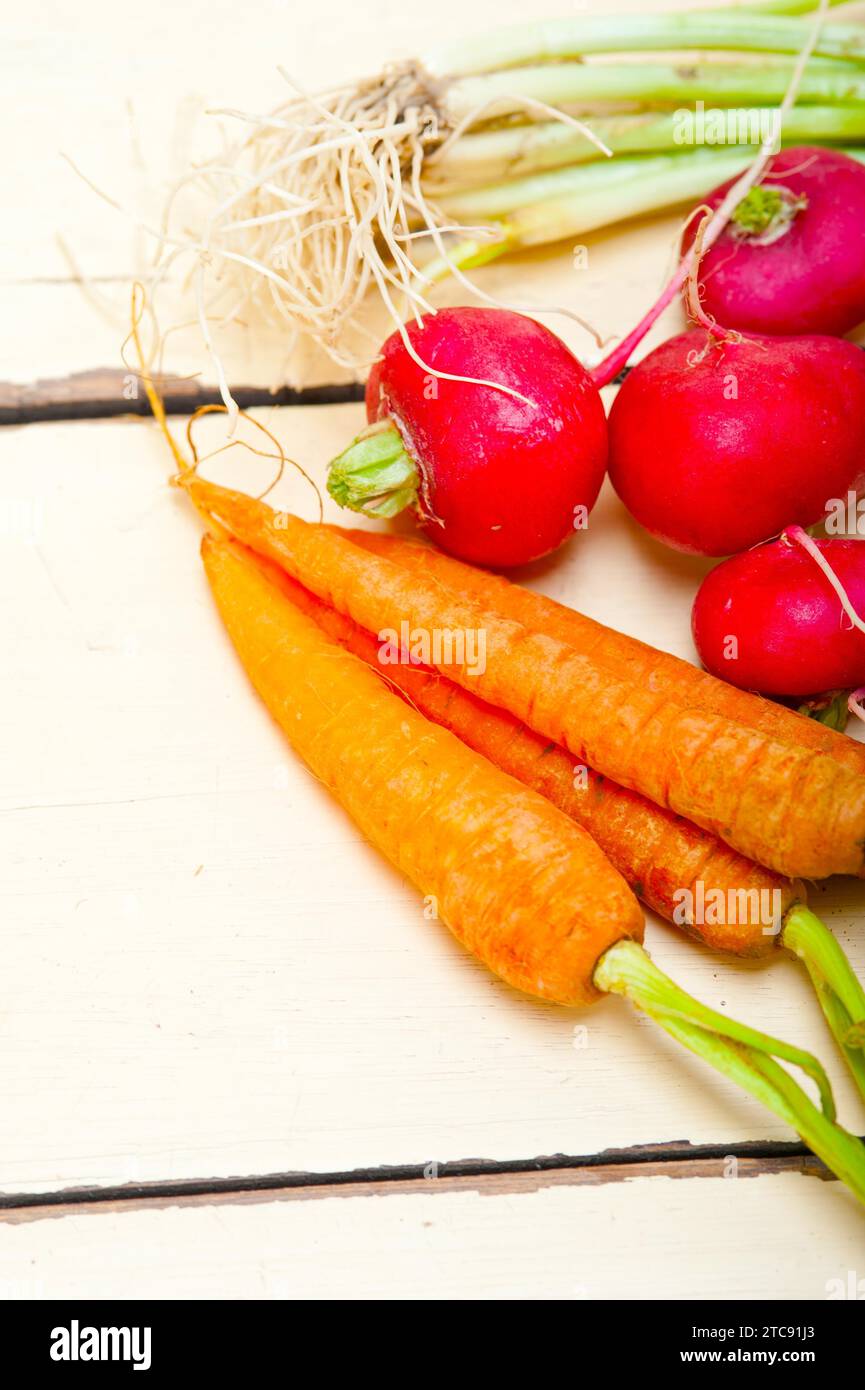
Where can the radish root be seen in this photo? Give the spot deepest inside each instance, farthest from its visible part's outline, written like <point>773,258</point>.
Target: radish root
<point>801,537</point>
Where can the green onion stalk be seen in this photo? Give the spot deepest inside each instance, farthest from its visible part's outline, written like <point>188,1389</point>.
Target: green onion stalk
<point>557,40</point>
<point>563,203</point>
<point>511,152</point>
<point>783,6</point>
<point>575,86</point>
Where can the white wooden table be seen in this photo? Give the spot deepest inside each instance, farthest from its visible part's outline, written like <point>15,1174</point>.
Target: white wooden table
<point>235,1060</point>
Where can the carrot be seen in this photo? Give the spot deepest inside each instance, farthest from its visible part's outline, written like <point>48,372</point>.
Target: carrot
<point>657,853</point>
<point>625,657</point>
<point>449,821</point>
<point>793,810</point>
<point>667,861</point>
<point>518,882</point>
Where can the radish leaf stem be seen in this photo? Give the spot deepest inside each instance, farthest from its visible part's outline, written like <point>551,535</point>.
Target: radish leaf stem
<point>375,474</point>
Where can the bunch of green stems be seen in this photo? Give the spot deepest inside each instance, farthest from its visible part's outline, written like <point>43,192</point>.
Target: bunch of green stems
<point>531,134</point>
<point>537,110</point>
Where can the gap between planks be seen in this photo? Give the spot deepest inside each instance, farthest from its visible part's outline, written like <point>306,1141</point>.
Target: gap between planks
<point>486,1178</point>
<point>108,392</point>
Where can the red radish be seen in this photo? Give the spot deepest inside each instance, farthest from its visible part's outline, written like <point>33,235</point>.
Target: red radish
<point>497,480</point>
<point>487,423</point>
<point>716,445</point>
<point>792,257</point>
<point>770,620</point>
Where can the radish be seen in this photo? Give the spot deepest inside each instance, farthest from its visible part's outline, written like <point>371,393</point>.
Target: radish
<point>792,257</point>
<point>770,620</point>
<point>486,423</point>
<point>716,445</point>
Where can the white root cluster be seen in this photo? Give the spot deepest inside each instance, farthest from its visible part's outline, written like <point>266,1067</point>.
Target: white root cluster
<point>323,199</point>
<point>318,201</point>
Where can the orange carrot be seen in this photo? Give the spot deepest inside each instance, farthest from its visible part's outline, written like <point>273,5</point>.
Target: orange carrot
<point>680,871</point>
<point>791,809</point>
<point>509,870</point>
<point>625,657</point>
<point>518,882</point>
<point>661,856</point>
<point>463,832</point>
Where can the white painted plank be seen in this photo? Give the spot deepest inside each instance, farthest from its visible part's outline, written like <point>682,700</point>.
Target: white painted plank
<point>769,1238</point>
<point>206,972</point>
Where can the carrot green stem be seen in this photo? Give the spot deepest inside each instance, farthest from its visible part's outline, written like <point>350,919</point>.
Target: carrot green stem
<point>375,474</point>
<point>627,968</point>
<point>740,1053</point>
<point>841,996</point>
<point>762,1077</point>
